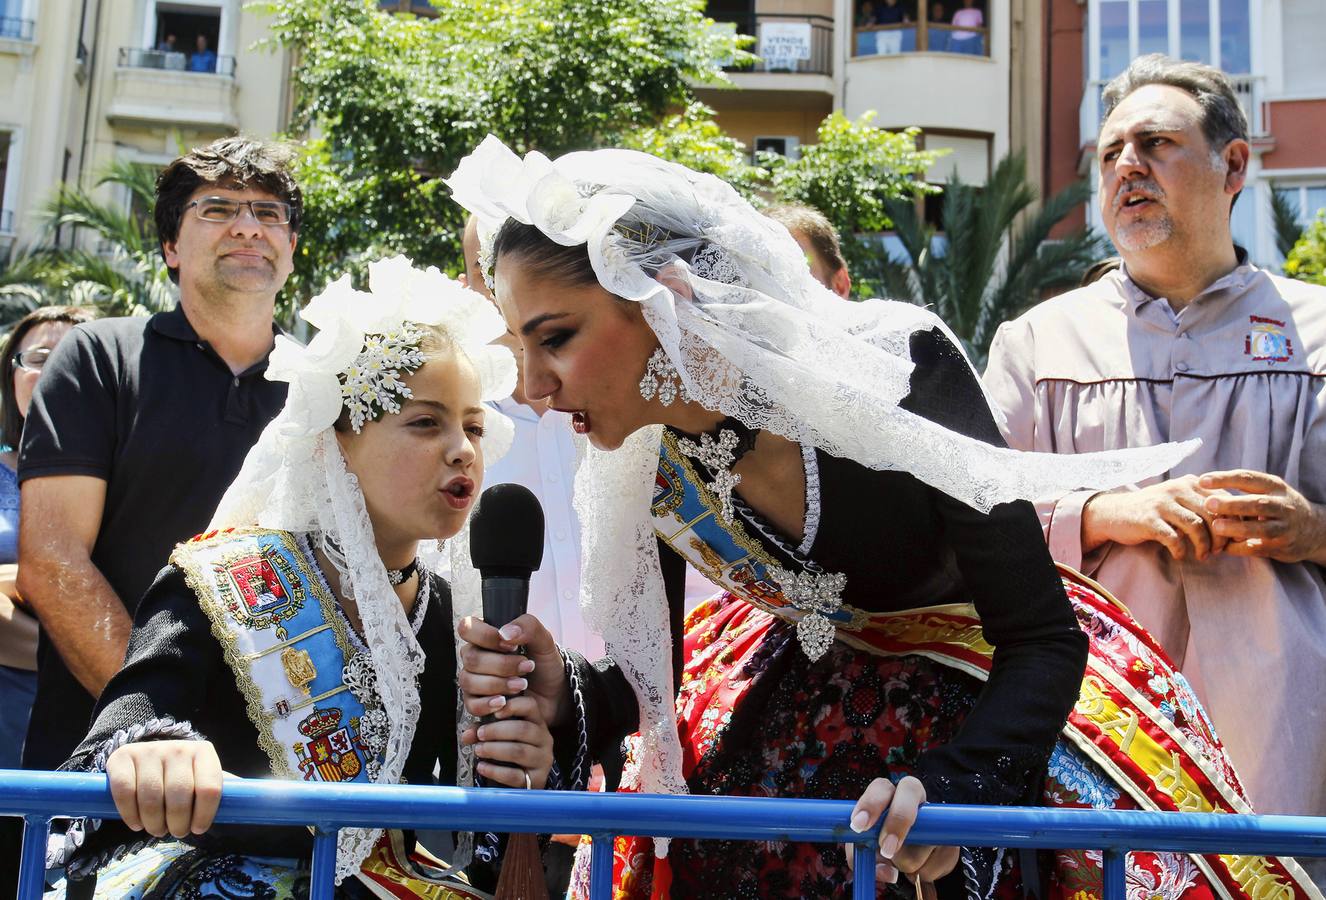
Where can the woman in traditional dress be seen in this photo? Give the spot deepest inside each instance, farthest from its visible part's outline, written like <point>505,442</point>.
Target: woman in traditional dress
<point>892,628</point>
<point>303,638</point>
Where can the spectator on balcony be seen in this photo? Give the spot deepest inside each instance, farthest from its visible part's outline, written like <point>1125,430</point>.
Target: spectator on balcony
<point>138,425</point>
<point>203,59</point>
<point>817,237</point>
<point>937,38</point>
<point>865,19</point>
<point>167,44</point>
<point>890,13</point>
<point>1223,560</point>
<point>973,42</point>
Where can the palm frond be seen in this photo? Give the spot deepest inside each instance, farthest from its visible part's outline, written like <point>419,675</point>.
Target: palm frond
<point>1284,218</point>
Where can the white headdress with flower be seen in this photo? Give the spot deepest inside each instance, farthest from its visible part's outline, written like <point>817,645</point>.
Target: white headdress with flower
<point>295,479</point>
<point>731,299</point>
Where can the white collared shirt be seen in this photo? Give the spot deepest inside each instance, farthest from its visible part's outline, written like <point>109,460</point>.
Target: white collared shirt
<point>542,458</point>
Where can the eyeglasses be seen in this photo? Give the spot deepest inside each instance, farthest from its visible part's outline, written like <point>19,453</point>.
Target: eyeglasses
<point>222,209</point>
<point>32,359</point>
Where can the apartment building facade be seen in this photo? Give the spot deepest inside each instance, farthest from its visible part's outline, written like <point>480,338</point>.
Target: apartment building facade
<point>85,82</point>
<point>964,71</point>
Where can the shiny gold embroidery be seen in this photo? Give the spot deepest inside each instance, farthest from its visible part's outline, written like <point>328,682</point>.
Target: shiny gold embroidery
<point>299,668</point>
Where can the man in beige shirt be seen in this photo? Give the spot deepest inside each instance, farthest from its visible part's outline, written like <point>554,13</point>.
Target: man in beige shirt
<point>1222,561</point>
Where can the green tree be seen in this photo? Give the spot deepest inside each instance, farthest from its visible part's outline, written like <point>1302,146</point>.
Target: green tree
<point>399,100</point>
<point>854,174</point>
<point>692,138</point>
<point>849,174</point>
<point>992,267</point>
<point>1306,260</point>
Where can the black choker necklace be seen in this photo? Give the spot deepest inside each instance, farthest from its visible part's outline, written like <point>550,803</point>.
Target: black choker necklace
<point>400,576</point>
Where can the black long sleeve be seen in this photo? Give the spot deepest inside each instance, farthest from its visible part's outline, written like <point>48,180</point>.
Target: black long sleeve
<point>1008,574</point>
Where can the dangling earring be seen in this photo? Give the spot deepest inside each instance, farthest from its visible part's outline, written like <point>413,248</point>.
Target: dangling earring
<point>441,545</point>
<point>661,378</point>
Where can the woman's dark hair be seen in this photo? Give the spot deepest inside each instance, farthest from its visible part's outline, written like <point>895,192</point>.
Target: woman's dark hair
<point>566,265</point>
<point>11,421</point>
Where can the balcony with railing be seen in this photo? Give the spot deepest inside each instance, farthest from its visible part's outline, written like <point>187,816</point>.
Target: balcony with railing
<point>160,87</point>
<point>795,51</point>
<point>966,33</point>
<point>927,70</point>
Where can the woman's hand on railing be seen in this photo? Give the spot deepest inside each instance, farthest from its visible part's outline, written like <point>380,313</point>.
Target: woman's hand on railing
<point>166,787</point>
<point>922,864</point>
<point>516,745</point>
<point>491,670</point>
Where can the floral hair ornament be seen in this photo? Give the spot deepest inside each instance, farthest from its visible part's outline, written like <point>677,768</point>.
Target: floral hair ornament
<point>369,341</point>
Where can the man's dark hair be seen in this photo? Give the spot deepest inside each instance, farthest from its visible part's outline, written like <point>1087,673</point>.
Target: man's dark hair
<point>816,227</point>
<point>1222,116</point>
<point>234,163</point>
<point>11,420</point>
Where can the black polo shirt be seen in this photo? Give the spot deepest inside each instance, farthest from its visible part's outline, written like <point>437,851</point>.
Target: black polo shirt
<point>155,412</point>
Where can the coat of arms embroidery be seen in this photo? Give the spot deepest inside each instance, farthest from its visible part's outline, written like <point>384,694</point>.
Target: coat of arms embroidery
<point>333,751</point>
<point>260,588</point>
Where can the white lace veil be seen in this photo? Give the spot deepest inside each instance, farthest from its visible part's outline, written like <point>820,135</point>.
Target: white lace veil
<point>295,479</point>
<point>731,299</point>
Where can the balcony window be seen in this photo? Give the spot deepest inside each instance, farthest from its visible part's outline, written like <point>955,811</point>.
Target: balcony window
<point>1121,30</point>
<point>15,20</point>
<point>1235,40</point>
<point>887,27</point>
<point>8,184</point>
<point>1152,26</point>
<point>1195,30</point>
<point>786,146</point>
<point>1113,31</point>
<point>182,37</point>
<point>1305,199</point>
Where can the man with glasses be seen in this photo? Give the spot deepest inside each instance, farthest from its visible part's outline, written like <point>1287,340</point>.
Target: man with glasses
<point>139,425</point>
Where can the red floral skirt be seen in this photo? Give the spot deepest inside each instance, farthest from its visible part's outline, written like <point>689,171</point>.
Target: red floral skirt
<point>757,718</point>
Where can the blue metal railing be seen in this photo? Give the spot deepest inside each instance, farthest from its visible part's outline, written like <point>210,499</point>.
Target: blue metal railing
<point>39,796</point>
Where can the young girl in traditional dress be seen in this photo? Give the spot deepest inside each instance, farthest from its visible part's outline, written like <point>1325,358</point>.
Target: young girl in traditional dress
<point>303,638</point>
<point>892,628</point>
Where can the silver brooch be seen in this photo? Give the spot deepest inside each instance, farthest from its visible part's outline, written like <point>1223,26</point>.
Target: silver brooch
<point>718,457</point>
<point>817,595</point>
<point>361,678</point>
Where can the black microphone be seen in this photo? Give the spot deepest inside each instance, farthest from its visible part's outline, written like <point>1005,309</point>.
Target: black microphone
<point>506,546</point>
